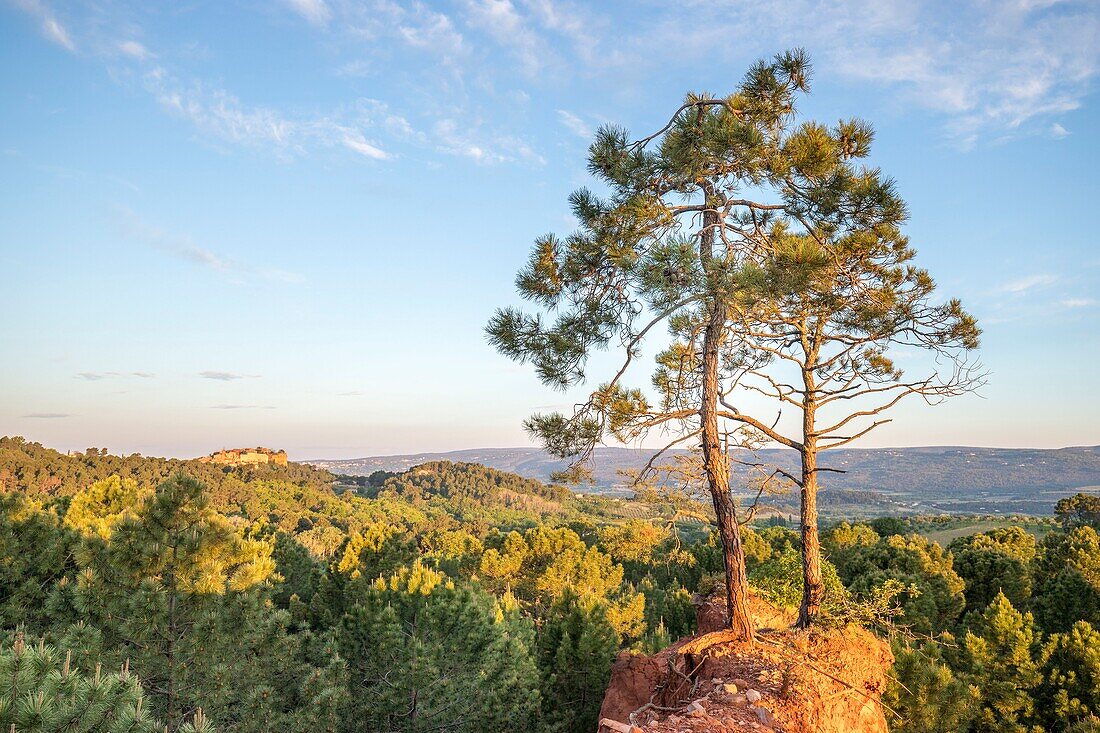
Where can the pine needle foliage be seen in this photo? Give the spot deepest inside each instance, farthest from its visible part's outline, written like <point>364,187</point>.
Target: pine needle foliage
<point>42,691</point>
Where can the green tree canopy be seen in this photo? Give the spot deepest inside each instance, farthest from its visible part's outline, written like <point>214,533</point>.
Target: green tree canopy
<point>1000,661</point>
<point>425,653</point>
<point>1067,579</point>
<point>998,561</point>
<point>1070,691</point>
<point>41,691</point>
<point>934,597</point>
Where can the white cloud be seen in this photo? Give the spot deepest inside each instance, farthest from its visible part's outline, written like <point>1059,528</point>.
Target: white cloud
<point>503,23</point>
<point>427,29</point>
<point>97,376</point>
<point>222,376</point>
<point>134,50</point>
<point>1058,131</point>
<point>1025,284</point>
<point>361,146</point>
<point>1078,302</point>
<point>316,12</point>
<point>575,124</point>
<point>450,137</point>
<point>183,247</point>
<point>48,22</point>
<point>57,33</point>
<point>219,114</point>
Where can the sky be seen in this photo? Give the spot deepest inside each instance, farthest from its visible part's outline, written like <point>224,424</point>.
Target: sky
<point>286,223</point>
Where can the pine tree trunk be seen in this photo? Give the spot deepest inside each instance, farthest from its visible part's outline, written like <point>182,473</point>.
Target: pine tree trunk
<point>716,465</point>
<point>813,589</point>
<point>715,461</point>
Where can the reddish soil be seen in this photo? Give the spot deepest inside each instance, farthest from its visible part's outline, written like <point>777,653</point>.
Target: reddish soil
<point>820,681</point>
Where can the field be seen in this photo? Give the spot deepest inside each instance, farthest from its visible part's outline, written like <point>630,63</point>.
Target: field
<point>945,531</point>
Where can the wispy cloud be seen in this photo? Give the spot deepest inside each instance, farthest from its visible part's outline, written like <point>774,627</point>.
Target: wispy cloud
<point>134,50</point>
<point>183,247</point>
<point>426,29</point>
<point>226,376</point>
<point>356,142</point>
<point>353,393</point>
<point>97,376</point>
<point>1019,66</point>
<point>1078,302</point>
<point>47,415</point>
<point>1025,284</point>
<point>242,407</point>
<point>48,23</point>
<point>221,115</point>
<point>315,11</point>
<point>488,148</point>
<point>501,21</point>
<point>575,124</point>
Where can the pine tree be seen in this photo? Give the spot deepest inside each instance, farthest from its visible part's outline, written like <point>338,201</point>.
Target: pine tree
<point>577,645</point>
<point>754,238</point>
<point>995,561</point>
<point>37,554</point>
<point>425,654</point>
<point>1067,579</point>
<point>819,321</point>
<point>1070,691</point>
<point>544,563</point>
<point>999,654</point>
<point>926,694</point>
<point>41,691</point>
<point>933,599</point>
<point>667,245</point>
<point>96,509</point>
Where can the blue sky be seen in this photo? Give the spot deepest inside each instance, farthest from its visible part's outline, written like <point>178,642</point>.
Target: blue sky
<point>286,223</point>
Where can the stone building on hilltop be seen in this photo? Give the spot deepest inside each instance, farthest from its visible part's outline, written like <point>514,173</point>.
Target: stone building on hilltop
<point>246,457</point>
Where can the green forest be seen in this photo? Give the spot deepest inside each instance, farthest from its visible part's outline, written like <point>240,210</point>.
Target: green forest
<point>138,593</point>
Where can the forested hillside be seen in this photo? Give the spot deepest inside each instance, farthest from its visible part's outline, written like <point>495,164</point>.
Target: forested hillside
<point>457,596</point>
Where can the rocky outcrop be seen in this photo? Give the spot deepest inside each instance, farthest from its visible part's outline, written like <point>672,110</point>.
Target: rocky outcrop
<point>820,681</point>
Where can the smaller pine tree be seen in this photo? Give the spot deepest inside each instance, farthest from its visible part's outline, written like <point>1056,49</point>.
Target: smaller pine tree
<point>41,691</point>
<point>999,655</point>
<point>576,648</point>
<point>1070,691</point>
<point>926,694</point>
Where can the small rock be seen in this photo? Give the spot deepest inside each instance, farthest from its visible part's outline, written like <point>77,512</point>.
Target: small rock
<point>700,704</point>
<point>739,700</point>
<point>730,688</point>
<point>741,684</point>
<point>765,716</point>
<point>753,696</point>
<point>715,681</point>
<point>616,726</point>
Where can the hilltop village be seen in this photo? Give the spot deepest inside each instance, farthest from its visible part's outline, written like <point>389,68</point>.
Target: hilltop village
<point>246,457</point>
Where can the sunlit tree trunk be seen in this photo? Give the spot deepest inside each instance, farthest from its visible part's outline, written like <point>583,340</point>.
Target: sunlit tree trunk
<point>716,462</point>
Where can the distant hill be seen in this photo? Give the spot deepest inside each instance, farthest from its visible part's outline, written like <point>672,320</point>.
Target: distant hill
<point>876,481</point>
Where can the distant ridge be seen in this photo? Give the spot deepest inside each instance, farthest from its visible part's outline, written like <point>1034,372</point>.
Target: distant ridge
<point>930,478</point>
